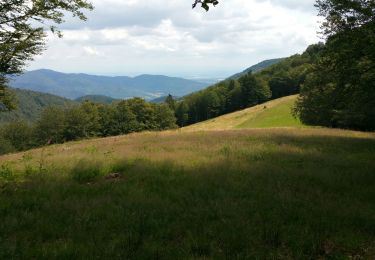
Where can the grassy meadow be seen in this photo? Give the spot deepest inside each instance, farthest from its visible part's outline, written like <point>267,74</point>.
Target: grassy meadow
<point>246,193</point>
<point>275,113</point>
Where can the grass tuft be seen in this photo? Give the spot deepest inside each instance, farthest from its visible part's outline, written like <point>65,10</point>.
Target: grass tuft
<point>87,171</point>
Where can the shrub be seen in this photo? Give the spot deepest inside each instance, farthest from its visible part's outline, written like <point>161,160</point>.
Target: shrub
<point>6,173</point>
<point>86,171</point>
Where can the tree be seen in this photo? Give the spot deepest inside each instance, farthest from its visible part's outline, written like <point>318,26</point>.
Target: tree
<point>124,120</point>
<point>171,102</point>
<point>340,91</point>
<point>253,92</point>
<point>282,85</point>
<point>144,114</point>
<point>22,33</point>
<point>345,15</point>
<point>50,127</point>
<point>82,121</point>
<point>205,4</point>
<point>19,134</point>
<point>182,113</point>
<point>165,117</point>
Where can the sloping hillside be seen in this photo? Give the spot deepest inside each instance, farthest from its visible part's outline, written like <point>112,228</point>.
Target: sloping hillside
<point>275,113</point>
<point>30,105</point>
<point>244,194</point>
<point>257,67</point>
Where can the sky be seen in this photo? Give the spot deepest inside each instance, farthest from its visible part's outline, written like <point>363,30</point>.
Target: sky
<point>167,37</point>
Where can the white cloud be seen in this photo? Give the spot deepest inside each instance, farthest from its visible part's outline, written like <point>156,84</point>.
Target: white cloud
<point>131,37</point>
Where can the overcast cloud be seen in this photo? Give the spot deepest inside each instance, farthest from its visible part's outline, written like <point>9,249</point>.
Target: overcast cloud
<point>131,37</point>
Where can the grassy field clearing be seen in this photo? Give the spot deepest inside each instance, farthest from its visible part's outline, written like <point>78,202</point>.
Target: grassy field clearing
<point>275,113</point>
<point>255,193</point>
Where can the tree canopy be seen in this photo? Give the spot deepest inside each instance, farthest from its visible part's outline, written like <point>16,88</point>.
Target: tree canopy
<point>340,90</point>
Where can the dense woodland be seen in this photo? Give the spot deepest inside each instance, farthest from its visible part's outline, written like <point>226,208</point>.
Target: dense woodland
<point>58,125</point>
<point>340,90</point>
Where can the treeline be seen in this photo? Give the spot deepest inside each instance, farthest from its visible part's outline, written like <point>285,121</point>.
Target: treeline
<point>58,125</point>
<point>340,90</point>
<point>282,79</point>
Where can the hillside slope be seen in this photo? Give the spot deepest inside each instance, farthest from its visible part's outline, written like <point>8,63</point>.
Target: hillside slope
<point>275,113</point>
<point>244,194</point>
<point>30,105</point>
<point>257,67</point>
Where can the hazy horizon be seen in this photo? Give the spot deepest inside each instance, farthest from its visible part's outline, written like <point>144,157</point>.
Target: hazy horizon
<point>132,37</point>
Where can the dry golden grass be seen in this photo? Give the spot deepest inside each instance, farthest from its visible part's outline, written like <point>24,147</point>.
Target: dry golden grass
<point>239,194</point>
<point>184,147</point>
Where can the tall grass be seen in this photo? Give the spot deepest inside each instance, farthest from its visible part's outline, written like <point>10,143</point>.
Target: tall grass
<point>245,194</point>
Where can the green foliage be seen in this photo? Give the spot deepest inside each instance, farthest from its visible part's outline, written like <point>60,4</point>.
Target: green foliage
<point>22,34</point>
<point>340,91</point>
<point>86,120</point>
<point>285,77</point>
<point>165,117</point>
<point>6,173</point>
<point>118,119</point>
<point>182,114</point>
<point>96,99</point>
<point>19,135</point>
<point>82,121</point>
<point>6,146</point>
<point>171,102</point>
<point>31,104</point>
<point>253,92</point>
<point>50,128</point>
<point>205,4</point>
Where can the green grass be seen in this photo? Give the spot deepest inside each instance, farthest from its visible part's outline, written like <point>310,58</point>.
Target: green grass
<point>236,194</point>
<point>273,114</point>
<point>276,116</point>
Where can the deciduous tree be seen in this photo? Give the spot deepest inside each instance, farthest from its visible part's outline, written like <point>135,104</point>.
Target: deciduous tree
<point>23,25</point>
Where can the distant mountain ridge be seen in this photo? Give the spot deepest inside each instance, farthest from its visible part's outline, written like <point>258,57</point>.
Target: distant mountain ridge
<point>73,86</point>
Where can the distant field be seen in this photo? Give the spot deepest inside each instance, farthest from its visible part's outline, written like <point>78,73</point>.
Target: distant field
<point>275,113</point>
<point>235,194</point>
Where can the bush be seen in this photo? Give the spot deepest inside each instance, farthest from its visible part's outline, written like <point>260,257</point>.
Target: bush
<point>6,173</point>
<point>86,171</point>
<point>6,146</point>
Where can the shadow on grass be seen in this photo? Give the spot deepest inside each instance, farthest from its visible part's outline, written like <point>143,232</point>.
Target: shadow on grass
<point>318,203</point>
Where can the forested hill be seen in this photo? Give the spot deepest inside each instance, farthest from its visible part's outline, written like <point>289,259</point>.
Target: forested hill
<point>96,99</point>
<point>257,67</point>
<point>30,104</point>
<point>283,78</point>
<point>77,85</point>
